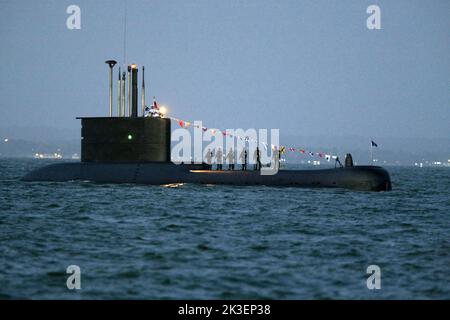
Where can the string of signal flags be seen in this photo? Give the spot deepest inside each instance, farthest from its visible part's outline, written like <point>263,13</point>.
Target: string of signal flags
<point>298,150</point>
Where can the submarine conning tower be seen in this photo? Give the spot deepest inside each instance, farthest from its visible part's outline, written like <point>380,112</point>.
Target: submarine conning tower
<point>127,137</point>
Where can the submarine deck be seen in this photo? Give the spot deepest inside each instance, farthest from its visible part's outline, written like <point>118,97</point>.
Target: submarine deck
<point>365,178</point>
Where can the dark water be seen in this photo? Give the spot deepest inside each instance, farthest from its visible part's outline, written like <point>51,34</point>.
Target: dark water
<point>151,242</point>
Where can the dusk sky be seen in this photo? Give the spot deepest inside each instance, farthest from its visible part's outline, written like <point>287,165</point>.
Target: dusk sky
<point>305,67</point>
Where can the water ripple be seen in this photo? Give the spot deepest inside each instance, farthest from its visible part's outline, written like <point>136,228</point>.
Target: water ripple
<point>223,242</point>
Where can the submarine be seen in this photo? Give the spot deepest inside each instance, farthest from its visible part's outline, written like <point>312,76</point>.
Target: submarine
<point>133,148</point>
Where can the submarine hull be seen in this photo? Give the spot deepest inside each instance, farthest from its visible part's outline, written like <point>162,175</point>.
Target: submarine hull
<point>363,178</point>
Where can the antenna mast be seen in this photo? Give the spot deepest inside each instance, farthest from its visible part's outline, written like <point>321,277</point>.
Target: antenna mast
<point>125,34</point>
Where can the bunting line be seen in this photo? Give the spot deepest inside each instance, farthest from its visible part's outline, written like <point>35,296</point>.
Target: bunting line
<point>298,150</point>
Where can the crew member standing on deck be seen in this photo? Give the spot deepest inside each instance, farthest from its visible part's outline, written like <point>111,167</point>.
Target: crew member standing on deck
<point>219,159</point>
<point>257,158</point>
<point>208,157</point>
<point>243,158</point>
<point>230,158</point>
<point>276,155</point>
